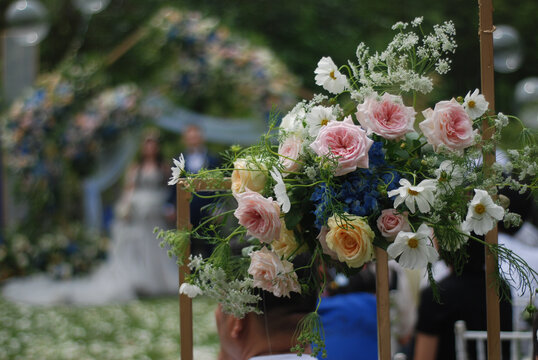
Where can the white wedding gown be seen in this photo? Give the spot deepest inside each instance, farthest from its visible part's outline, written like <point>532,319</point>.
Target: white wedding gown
<point>136,265</point>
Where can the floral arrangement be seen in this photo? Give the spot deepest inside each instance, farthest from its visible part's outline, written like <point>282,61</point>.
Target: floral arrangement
<point>211,60</point>
<point>349,171</point>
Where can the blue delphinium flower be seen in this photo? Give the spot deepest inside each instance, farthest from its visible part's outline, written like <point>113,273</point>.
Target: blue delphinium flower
<point>321,197</point>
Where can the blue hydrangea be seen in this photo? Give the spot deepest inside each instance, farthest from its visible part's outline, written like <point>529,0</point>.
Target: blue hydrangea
<point>359,190</point>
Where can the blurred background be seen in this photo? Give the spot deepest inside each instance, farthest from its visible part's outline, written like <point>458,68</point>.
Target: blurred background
<point>83,80</point>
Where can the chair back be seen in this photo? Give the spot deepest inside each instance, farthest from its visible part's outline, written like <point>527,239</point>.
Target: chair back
<point>517,340</point>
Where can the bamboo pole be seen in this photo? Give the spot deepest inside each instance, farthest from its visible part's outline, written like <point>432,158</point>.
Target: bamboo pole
<point>383,304</point>
<point>185,303</point>
<point>486,29</point>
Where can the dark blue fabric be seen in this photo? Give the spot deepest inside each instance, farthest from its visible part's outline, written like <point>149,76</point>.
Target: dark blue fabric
<point>350,325</point>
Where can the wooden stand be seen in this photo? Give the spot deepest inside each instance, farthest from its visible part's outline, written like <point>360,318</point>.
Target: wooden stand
<point>486,29</point>
<point>383,304</point>
<point>185,303</point>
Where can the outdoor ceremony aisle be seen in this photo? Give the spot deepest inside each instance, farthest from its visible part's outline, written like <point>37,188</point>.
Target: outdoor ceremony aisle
<point>146,329</point>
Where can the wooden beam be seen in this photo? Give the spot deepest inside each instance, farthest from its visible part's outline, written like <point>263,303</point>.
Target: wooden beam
<point>184,222</point>
<point>486,29</point>
<point>383,304</point>
<point>185,303</point>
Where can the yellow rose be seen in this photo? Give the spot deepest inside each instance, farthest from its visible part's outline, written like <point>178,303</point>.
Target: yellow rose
<point>248,175</point>
<point>286,244</point>
<point>351,240</point>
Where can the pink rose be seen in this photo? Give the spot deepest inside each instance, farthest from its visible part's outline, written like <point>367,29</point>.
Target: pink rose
<point>322,238</point>
<point>448,125</point>
<point>290,150</point>
<point>345,141</point>
<point>388,118</point>
<point>272,274</point>
<point>391,222</point>
<point>260,216</point>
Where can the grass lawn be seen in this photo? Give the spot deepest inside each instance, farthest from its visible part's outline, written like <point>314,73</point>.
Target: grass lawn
<point>145,329</point>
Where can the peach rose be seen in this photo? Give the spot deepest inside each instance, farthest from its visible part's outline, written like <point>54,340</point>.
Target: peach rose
<point>260,216</point>
<point>391,222</point>
<point>272,274</point>
<point>290,150</point>
<point>286,244</point>
<point>345,141</point>
<point>448,125</point>
<point>388,117</point>
<point>351,240</point>
<point>247,175</point>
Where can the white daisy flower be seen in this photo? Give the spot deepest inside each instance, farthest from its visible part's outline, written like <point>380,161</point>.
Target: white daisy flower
<point>421,194</point>
<point>475,104</point>
<point>177,170</point>
<point>190,290</point>
<point>329,77</point>
<point>317,117</point>
<point>415,249</point>
<point>280,191</point>
<point>449,172</point>
<point>483,213</point>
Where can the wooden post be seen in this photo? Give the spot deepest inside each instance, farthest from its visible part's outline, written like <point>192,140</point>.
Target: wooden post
<point>184,222</point>
<point>486,29</point>
<point>383,304</point>
<point>185,303</point>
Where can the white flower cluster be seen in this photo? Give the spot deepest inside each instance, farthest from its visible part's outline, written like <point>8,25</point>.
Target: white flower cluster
<point>397,65</point>
<point>235,296</point>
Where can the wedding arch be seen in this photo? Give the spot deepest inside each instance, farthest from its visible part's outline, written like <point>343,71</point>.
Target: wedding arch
<point>57,133</point>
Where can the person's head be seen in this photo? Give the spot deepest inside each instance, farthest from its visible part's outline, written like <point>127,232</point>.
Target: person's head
<point>193,137</point>
<point>150,147</point>
<point>270,332</point>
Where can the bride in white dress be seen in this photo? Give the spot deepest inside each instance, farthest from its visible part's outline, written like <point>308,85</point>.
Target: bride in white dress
<point>136,264</point>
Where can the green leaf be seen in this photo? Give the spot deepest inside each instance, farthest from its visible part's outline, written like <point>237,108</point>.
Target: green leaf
<point>292,218</point>
<point>402,154</point>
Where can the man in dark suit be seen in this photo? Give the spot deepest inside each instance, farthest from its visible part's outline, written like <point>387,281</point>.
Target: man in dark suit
<point>197,157</point>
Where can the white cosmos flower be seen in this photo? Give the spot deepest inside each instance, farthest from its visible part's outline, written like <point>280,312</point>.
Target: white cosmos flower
<point>475,104</point>
<point>415,249</point>
<point>421,194</point>
<point>177,170</point>
<point>329,77</point>
<point>190,290</point>
<point>317,117</point>
<point>483,213</point>
<point>280,191</point>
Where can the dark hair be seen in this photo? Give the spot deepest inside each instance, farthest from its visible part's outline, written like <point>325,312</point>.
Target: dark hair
<point>281,314</point>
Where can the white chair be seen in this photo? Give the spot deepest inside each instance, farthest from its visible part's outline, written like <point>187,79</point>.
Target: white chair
<point>515,338</point>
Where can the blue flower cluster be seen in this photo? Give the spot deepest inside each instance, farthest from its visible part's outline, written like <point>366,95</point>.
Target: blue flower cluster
<point>322,197</point>
<point>359,190</point>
